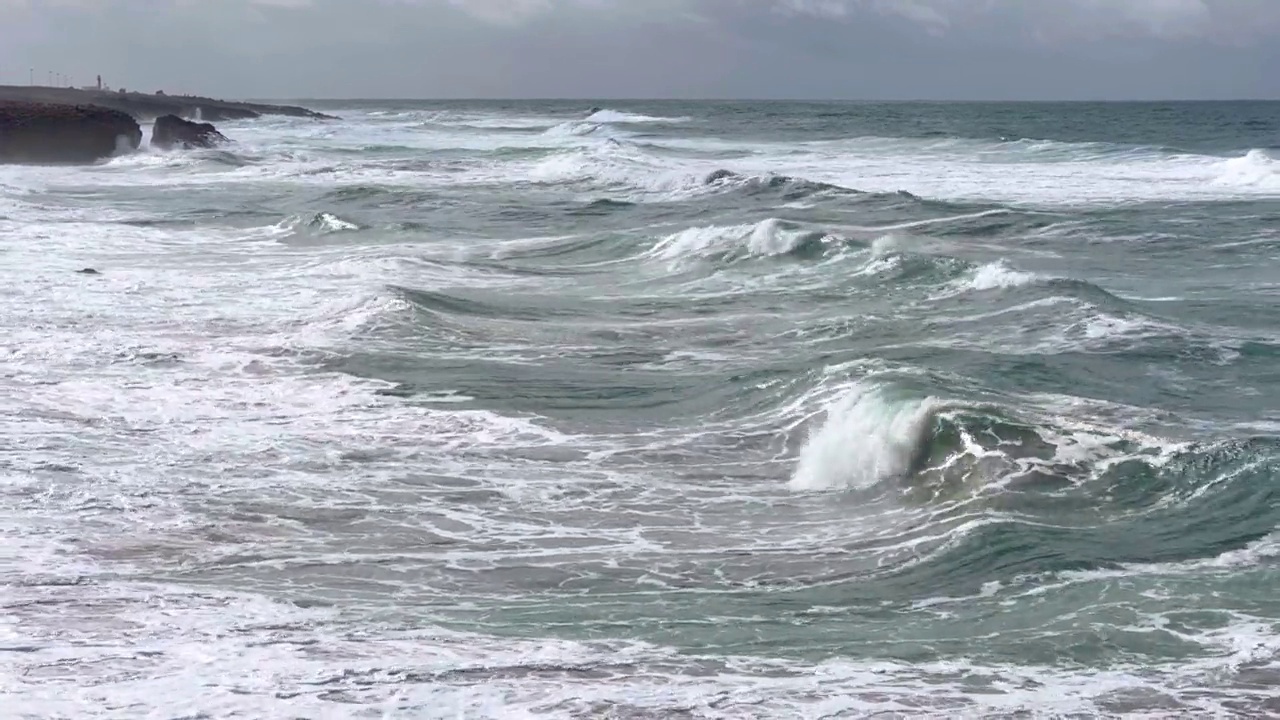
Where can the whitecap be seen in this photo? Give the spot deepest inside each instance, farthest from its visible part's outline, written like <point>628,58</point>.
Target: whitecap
<point>869,435</point>
<point>617,116</point>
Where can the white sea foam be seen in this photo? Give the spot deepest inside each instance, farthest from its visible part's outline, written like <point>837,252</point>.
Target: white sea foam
<point>999,275</point>
<point>958,170</point>
<point>618,116</point>
<point>869,434</point>
<point>767,238</point>
<point>1077,326</point>
<point>575,128</point>
<point>328,222</point>
<point>1256,170</point>
<point>951,169</point>
<point>225,654</point>
<point>956,174</point>
<point>187,414</point>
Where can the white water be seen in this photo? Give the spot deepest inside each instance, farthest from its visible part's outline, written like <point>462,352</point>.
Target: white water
<point>180,471</point>
<point>767,238</point>
<point>868,436</point>
<point>595,150</point>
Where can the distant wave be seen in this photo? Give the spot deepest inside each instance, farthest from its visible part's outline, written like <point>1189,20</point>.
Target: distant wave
<point>877,431</point>
<point>1257,168</point>
<point>868,436</point>
<point>617,116</point>
<point>1032,149</point>
<point>574,128</point>
<point>787,186</point>
<point>768,238</point>
<point>327,222</point>
<point>999,275</point>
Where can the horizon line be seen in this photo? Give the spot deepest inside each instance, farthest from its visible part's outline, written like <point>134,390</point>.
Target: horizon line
<point>589,99</point>
<point>672,99</point>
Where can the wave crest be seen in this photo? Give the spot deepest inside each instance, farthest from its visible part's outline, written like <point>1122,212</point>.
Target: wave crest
<point>1256,169</point>
<point>573,128</point>
<point>771,237</point>
<point>869,435</point>
<point>878,432</point>
<point>606,115</point>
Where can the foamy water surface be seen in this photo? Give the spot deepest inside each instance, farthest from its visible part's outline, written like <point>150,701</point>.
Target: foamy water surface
<point>661,410</point>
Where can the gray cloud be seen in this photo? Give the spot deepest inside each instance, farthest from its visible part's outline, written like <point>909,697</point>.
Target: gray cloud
<point>947,49</point>
<point>1166,19</point>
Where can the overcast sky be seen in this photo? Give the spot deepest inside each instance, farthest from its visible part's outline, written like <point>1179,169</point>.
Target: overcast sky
<point>862,49</point>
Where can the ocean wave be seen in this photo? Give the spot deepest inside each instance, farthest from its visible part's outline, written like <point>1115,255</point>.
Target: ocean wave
<point>563,246</point>
<point>618,116</point>
<point>456,307</point>
<point>999,275</point>
<point>1005,488</point>
<point>376,195</point>
<point>926,259</point>
<point>528,383</point>
<point>787,187</point>
<point>1256,169</point>
<point>1042,150</point>
<point>772,237</point>
<point>971,177</point>
<point>646,176</point>
<point>226,157</point>
<point>575,128</point>
<point>1125,511</point>
<point>869,436</point>
<point>1021,174</point>
<point>327,222</point>
<point>878,430</point>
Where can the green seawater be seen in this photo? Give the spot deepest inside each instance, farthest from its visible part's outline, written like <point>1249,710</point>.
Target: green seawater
<point>670,409</point>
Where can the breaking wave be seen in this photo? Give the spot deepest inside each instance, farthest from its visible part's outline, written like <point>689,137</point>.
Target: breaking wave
<point>543,372</point>
<point>768,238</point>
<point>870,435</point>
<point>1256,169</point>
<point>617,116</point>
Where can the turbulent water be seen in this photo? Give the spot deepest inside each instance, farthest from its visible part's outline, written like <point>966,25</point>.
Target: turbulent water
<point>665,410</point>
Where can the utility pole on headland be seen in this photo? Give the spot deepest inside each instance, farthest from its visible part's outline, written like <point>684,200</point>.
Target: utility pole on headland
<point>31,80</point>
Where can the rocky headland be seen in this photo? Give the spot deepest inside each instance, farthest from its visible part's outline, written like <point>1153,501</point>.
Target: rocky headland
<point>48,133</point>
<point>143,106</point>
<point>43,125</point>
<point>171,131</point>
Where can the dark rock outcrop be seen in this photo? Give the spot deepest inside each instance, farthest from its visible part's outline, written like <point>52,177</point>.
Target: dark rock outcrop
<point>39,133</point>
<point>171,131</point>
<point>718,175</point>
<point>148,105</point>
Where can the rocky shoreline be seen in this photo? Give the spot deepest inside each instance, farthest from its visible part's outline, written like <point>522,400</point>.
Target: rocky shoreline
<point>145,107</point>
<point>171,131</point>
<point>42,125</point>
<point>47,133</point>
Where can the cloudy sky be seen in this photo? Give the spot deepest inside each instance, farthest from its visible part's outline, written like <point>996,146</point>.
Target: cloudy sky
<point>868,49</point>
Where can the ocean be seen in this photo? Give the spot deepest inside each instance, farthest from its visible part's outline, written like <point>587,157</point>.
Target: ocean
<point>652,410</point>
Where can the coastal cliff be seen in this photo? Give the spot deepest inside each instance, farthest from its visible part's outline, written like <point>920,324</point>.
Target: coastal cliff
<point>171,131</point>
<point>48,133</point>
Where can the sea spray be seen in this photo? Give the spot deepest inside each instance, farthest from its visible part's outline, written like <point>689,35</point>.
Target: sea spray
<point>870,434</point>
<point>770,237</point>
